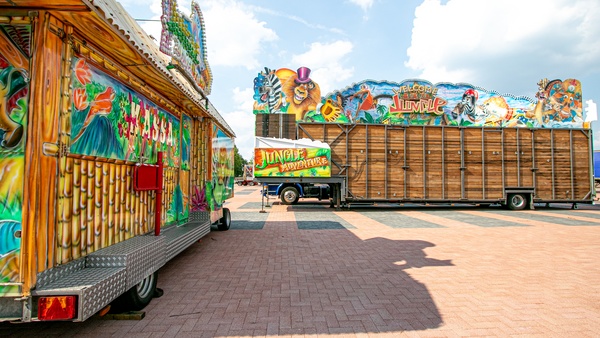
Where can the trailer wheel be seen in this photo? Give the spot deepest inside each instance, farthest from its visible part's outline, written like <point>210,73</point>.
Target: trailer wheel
<point>517,201</point>
<point>289,195</point>
<point>225,221</point>
<point>138,296</point>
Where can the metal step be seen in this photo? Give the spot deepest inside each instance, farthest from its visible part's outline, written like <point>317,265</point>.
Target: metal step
<point>102,276</point>
<point>178,238</point>
<point>105,274</point>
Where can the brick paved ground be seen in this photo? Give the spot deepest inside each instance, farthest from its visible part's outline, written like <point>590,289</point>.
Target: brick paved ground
<point>308,271</point>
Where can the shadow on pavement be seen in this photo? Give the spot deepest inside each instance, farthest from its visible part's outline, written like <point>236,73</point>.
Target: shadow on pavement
<point>285,281</point>
<point>279,280</point>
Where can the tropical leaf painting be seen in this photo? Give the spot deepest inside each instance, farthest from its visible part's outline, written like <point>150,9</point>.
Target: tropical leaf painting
<point>185,142</point>
<point>199,202</point>
<point>112,121</point>
<point>176,209</point>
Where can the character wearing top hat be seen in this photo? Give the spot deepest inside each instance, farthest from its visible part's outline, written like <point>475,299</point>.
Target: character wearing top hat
<point>302,93</point>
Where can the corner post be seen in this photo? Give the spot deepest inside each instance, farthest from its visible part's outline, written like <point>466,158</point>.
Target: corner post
<point>158,201</point>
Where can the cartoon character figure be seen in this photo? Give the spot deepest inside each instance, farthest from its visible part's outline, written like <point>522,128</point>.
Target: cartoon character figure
<point>366,103</point>
<point>259,82</point>
<point>497,112</point>
<point>332,108</point>
<point>558,102</point>
<point>302,93</point>
<point>268,94</point>
<point>466,112</point>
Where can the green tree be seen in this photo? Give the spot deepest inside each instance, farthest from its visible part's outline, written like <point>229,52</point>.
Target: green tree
<point>238,162</point>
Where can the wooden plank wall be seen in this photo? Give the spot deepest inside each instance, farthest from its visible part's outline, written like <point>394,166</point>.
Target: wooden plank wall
<point>39,222</point>
<point>451,164</point>
<point>267,125</point>
<point>395,163</point>
<point>432,163</point>
<point>582,169</point>
<point>493,170</point>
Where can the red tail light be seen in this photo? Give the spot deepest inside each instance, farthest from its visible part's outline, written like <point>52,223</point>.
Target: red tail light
<point>57,308</point>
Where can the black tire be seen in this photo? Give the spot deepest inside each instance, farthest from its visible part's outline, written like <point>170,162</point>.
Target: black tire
<point>516,201</point>
<point>289,195</point>
<point>225,221</point>
<point>138,297</point>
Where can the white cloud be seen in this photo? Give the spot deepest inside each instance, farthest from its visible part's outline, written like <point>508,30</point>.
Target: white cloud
<point>325,61</point>
<point>238,120</point>
<point>321,54</point>
<point>298,19</point>
<point>243,98</point>
<point>591,111</point>
<point>234,35</point>
<point>244,137</point>
<point>363,4</point>
<point>476,41</point>
<point>146,13</point>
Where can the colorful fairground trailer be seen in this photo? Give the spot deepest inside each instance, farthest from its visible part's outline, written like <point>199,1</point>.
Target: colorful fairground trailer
<point>418,142</point>
<point>112,158</point>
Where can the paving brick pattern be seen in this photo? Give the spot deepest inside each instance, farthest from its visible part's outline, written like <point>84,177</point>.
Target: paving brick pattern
<point>248,220</point>
<point>403,272</point>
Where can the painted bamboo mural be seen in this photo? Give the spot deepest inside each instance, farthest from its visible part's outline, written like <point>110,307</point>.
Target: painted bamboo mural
<point>103,208</point>
<point>14,98</point>
<point>96,201</point>
<point>199,171</point>
<point>122,212</point>
<point>200,181</point>
<point>76,215</point>
<point>89,220</point>
<point>110,202</point>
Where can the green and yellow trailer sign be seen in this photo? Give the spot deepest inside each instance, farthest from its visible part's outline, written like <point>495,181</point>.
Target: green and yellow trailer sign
<point>292,162</point>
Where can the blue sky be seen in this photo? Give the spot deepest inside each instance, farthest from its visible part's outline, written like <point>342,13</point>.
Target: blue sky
<point>501,45</point>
